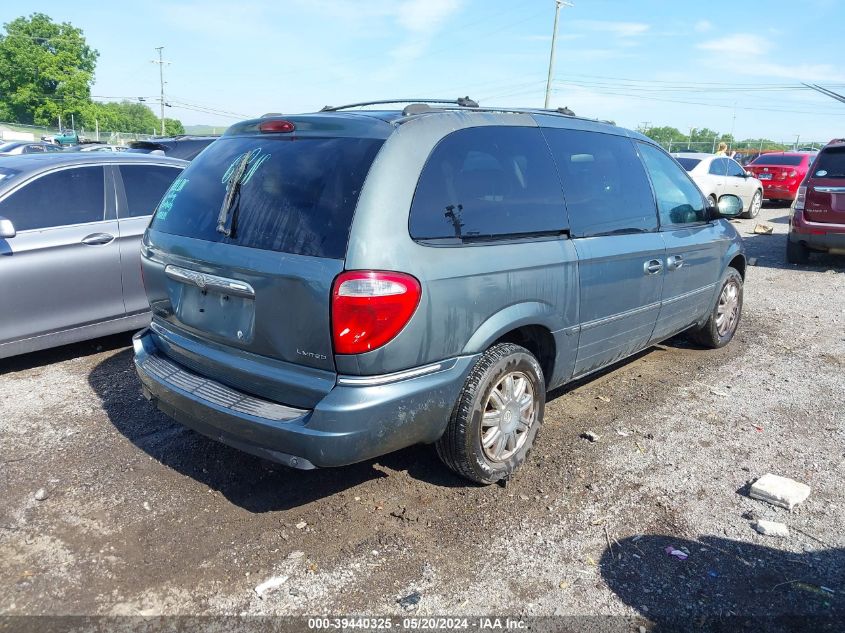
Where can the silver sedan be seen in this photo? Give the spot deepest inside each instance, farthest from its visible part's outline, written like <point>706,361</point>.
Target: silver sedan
<point>718,175</point>
<point>70,245</point>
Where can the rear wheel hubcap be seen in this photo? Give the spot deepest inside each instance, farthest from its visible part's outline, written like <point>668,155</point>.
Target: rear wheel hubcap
<point>508,416</point>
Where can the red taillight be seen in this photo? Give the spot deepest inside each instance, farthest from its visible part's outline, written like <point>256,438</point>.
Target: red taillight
<point>369,308</point>
<point>276,125</point>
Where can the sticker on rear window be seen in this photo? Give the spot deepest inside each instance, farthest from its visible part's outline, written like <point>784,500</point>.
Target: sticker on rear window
<point>255,161</point>
<point>821,173</point>
<point>167,202</point>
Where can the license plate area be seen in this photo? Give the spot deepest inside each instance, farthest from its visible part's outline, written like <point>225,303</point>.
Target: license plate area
<point>764,176</point>
<point>227,316</point>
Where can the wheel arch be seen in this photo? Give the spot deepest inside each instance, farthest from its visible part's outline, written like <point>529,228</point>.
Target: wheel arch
<point>528,324</point>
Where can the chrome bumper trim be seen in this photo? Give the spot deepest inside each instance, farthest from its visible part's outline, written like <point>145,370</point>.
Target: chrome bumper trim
<point>383,379</point>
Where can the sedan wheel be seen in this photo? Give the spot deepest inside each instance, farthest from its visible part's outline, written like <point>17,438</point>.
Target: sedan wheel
<point>754,207</point>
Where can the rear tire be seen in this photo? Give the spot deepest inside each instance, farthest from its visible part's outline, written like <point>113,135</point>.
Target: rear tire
<point>721,325</point>
<point>754,207</point>
<point>796,252</point>
<point>489,434</point>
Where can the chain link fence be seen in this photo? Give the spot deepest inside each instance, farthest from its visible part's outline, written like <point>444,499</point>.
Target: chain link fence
<point>19,131</point>
<point>710,147</point>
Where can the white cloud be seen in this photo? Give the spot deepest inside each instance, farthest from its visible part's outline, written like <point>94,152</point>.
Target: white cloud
<point>620,29</point>
<point>745,44</point>
<point>702,26</point>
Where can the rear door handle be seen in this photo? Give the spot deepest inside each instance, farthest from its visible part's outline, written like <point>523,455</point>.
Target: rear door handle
<point>652,267</point>
<point>97,239</point>
<point>674,262</point>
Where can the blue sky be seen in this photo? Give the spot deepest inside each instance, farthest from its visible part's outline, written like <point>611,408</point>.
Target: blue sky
<point>727,65</point>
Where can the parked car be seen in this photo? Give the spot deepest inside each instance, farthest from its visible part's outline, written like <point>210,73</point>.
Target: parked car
<point>102,147</point>
<point>718,175</point>
<point>184,147</point>
<point>781,173</point>
<point>66,138</point>
<point>15,148</point>
<point>330,287</point>
<point>70,232</point>
<point>818,214</point>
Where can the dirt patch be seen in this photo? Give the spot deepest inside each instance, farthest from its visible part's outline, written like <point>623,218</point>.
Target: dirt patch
<point>145,517</point>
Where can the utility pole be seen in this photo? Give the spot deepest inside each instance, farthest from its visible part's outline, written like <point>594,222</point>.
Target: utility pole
<point>161,64</point>
<point>558,5</point>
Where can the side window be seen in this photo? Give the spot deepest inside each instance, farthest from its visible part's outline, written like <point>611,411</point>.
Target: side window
<point>145,185</point>
<point>486,182</point>
<point>604,183</point>
<point>718,167</point>
<point>679,200</point>
<point>734,168</point>
<point>69,196</point>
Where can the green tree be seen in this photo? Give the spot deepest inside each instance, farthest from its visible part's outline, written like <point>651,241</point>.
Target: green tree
<point>46,70</point>
<point>173,127</point>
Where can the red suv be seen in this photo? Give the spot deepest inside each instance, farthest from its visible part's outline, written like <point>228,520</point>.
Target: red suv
<point>818,215</point>
<point>781,173</point>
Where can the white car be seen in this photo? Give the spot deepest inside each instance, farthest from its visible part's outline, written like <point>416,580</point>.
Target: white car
<point>103,148</point>
<point>718,175</point>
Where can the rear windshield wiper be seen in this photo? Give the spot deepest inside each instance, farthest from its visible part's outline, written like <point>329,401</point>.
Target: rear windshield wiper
<point>232,190</point>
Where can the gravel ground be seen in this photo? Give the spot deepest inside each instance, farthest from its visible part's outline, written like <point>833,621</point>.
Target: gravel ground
<point>143,517</point>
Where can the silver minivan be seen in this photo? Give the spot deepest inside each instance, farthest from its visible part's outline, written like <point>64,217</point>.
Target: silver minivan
<point>70,234</point>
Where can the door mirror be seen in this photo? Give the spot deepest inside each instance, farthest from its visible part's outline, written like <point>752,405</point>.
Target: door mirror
<point>729,206</point>
<point>749,174</point>
<point>7,229</point>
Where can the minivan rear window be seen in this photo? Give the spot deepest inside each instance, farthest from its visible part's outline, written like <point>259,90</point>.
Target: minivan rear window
<point>777,159</point>
<point>830,163</point>
<point>297,194</point>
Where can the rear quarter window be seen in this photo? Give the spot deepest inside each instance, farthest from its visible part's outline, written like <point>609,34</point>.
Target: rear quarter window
<point>144,186</point>
<point>830,163</point>
<point>297,194</point>
<point>488,182</point>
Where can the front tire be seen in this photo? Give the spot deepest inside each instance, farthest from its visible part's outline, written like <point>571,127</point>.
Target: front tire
<point>754,207</point>
<point>721,325</point>
<point>497,415</point>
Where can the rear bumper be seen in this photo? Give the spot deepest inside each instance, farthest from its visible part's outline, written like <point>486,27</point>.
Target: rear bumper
<point>774,190</point>
<point>360,418</point>
<point>821,236</point>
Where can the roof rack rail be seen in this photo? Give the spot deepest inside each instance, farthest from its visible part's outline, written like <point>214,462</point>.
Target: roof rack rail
<point>464,102</point>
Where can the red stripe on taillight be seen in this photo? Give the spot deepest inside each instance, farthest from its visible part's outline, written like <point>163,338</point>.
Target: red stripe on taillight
<point>369,308</point>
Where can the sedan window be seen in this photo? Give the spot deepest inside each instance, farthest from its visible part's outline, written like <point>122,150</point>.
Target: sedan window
<point>145,185</point>
<point>734,168</point>
<point>719,167</point>
<point>69,196</point>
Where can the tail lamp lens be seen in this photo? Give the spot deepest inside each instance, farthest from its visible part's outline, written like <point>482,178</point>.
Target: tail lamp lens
<point>800,198</point>
<point>369,308</point>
